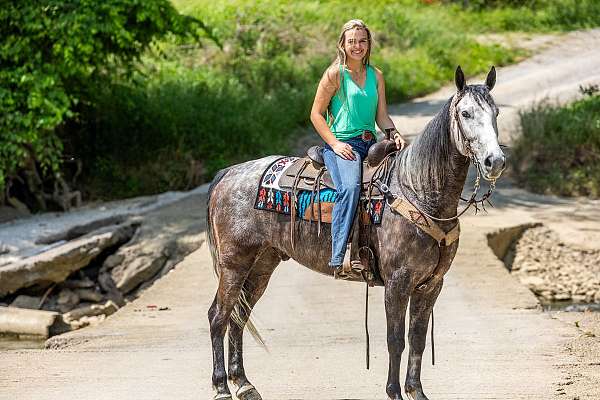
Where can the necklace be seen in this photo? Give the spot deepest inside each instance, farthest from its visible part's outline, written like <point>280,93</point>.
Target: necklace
<point>358,75</point>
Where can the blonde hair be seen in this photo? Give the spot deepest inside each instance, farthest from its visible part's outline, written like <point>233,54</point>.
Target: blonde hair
<point>340,60</point>
<point>341,54</point>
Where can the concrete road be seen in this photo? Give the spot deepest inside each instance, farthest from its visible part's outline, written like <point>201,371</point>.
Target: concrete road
<point>491,341</point>
<point>554,74</point>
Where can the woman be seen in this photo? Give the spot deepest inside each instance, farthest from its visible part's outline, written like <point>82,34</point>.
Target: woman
<point>352,94</point>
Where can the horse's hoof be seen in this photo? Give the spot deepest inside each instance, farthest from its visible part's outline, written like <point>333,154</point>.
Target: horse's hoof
<point>415,395</point>
<point>248,392</point>
<point>222,396</point>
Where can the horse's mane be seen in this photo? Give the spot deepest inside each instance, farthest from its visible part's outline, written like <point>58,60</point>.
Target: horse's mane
<point>424,162</point>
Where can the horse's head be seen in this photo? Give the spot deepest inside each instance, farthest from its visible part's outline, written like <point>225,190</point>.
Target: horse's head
<point>473,128</point>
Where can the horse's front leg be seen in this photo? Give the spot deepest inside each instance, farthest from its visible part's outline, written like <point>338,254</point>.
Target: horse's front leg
<point>421,305</point>
<point>396,299</point>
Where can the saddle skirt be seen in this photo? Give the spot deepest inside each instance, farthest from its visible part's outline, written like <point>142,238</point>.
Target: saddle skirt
<point>309,187</point>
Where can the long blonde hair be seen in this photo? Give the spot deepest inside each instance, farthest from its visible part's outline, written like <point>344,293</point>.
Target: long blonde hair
<point>341,54</point>
<point>340,61</point>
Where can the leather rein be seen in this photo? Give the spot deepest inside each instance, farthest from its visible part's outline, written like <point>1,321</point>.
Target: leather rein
<point>473,200</point>
<point>445,238</point>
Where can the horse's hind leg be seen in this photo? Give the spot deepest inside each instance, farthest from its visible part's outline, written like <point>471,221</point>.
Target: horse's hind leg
<point>231,279</point>
<point>254,287</point>
<point>421,305</point>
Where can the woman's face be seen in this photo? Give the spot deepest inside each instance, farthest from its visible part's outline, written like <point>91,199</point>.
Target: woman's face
<point>356,44</point>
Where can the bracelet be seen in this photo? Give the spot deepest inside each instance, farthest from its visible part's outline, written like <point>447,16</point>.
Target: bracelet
<point>388,132</point>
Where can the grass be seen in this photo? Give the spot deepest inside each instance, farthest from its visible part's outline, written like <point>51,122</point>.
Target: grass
<point>198,107</point>
<point>559,149</point>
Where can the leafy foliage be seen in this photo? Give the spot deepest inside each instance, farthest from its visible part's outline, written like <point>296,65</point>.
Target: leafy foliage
<point>55,55</point>
<point>217,107</point>
<point>117,85</point>
<point>559,150</point>
<point>531,15</point>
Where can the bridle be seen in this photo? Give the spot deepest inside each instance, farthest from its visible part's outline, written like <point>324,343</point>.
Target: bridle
<point>392,200</point>
<point>471,201</point>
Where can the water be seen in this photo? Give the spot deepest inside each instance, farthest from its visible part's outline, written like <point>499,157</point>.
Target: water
<point>570,306</point>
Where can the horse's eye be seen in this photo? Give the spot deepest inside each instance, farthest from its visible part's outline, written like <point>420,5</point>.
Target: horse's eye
<point>466,114</point>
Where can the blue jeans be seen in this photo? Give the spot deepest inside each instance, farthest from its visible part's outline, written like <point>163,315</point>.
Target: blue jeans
<point>346,175</point>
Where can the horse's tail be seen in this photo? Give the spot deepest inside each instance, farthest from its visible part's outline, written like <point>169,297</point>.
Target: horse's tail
<point>242,303</point>
<point>209,226</point>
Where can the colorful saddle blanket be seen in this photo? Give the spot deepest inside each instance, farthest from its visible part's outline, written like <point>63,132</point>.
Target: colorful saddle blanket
<point>271,197</point>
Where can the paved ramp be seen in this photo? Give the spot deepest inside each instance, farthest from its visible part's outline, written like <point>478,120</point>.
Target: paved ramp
<point>491,341</point>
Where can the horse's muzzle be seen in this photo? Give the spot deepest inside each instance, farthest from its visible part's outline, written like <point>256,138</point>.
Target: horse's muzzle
<point>494,165</point>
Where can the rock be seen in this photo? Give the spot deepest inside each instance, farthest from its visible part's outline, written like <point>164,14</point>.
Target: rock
<point>79,283</point>
<point>87,321</point>
<point>555,270</point>
<point>80,230</point>
<point>534,283</point>
<point>107,308</point>
<point>31,322</point>
<point>57,263</point>
<point>579,298</point>
<point>4,249</point>
<point>89,295</point>
<point>29,302</point>
<point>112,261</point>
<point>67,297</point>
<point>562,296</point>
<point>546,294</point>
<point>139,269</point>
<point>164,238</point>
<point>108,285</point>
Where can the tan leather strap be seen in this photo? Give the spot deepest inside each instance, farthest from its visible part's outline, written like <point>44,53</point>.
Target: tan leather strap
<point>425,223</point>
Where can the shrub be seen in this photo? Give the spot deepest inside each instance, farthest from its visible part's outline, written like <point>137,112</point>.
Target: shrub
<point>559,149</point>
<point>54,56</point>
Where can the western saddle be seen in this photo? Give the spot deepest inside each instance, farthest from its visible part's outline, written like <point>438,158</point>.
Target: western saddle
<point>309,173</point>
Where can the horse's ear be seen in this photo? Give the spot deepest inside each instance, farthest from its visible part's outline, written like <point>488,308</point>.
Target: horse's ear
<point>459,79</point>
<point>491,78</point>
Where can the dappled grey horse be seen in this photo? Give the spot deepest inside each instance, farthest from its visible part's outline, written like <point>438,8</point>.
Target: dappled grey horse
<point>248,244</point>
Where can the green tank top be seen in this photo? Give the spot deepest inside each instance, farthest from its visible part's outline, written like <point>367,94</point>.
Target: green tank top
<point>353,108</point>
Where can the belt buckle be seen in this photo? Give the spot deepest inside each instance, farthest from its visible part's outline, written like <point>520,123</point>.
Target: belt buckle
<point>367,136</point>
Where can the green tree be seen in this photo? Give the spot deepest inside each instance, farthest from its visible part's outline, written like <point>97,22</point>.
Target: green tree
<point>53,54</point>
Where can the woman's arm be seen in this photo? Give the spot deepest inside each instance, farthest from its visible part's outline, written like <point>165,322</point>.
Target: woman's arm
<point>382,117</point>
<point>328,85</point>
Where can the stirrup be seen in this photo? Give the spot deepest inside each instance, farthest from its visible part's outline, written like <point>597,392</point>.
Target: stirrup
<point>357,267</point>
<point>340,274</point>
<point>350,270</point>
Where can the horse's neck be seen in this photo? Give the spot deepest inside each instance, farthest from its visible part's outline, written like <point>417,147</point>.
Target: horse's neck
<point>454,182</point>
<point>441,199</point>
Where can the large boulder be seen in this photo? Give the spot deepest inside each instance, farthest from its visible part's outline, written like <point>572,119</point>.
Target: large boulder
<point>57,263</point>
<point>164,238</point>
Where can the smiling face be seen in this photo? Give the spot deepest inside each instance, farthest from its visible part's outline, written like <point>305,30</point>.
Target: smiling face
<point>356,44</point>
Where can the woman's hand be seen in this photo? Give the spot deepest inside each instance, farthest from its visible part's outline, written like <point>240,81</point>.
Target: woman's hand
<point>343,150</point>
<point>400,142</point>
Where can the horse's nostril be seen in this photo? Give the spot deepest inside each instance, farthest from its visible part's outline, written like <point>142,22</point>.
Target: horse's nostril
<point>488,162</point>
<point>503,162</point>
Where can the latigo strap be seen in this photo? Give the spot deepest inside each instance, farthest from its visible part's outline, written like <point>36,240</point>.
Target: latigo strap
<point>425,223</point>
